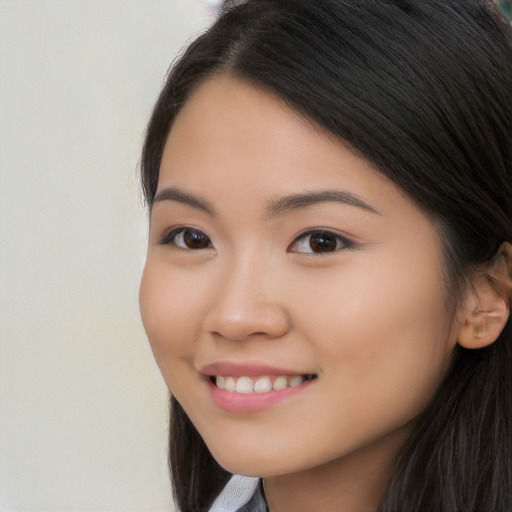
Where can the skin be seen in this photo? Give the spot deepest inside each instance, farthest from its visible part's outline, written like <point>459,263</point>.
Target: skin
<point>369,319</point>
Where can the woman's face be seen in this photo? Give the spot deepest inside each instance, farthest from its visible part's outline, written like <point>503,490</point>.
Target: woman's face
<point>292,295</point>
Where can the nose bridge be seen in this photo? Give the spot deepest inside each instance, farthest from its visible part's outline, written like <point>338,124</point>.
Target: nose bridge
<point>247,299</point>
<point>252,268</point>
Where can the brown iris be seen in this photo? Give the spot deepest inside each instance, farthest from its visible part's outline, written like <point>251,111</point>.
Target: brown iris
<point>323,241</point>
<point>195,239</point>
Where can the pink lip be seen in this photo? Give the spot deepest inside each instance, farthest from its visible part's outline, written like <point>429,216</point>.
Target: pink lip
<point>254,402</point>
<point>245,369</point>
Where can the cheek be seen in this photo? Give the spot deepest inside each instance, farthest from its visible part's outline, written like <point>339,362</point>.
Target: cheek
<point>169,311</point>
<point>381,335</point>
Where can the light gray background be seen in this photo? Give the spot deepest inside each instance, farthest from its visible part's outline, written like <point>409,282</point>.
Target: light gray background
<point>83,409</point>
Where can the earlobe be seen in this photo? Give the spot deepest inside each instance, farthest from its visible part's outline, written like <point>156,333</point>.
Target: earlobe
<point>488,308</point>
<point>483,326</point>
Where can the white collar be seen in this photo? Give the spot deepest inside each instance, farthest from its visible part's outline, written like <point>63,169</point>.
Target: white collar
<point>236,493</point>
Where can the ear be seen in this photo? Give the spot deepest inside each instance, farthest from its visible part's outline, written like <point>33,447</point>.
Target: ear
<point>488,307</point>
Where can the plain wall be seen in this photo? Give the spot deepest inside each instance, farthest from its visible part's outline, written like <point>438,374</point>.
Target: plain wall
<point>83,408</point>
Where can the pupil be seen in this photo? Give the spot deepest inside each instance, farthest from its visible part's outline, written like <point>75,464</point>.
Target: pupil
<point>195,239</point>
<point>323,242</point>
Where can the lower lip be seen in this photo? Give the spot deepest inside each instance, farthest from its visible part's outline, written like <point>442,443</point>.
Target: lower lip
<point>252,402</point>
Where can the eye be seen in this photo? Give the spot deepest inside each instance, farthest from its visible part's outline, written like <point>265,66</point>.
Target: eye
<point>187,238</point>
<point>320,242</point>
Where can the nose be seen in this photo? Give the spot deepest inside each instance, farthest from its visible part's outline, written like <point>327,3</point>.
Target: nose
<point>247,301</point>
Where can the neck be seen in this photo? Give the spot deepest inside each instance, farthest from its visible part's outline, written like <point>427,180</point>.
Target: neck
<point>355,482</point>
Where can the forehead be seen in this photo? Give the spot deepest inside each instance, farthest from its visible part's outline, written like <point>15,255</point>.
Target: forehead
<point>228,127</point>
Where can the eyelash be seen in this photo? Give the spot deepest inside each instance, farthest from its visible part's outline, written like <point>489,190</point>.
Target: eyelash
<point>325,235</point>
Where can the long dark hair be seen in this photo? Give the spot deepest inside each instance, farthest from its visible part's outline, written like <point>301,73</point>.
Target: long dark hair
<point>421,88</point>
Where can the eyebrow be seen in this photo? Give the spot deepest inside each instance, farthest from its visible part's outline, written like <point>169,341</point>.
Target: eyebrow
<point>293,202</point>
<point>175,194</point>
<point>275,207</point>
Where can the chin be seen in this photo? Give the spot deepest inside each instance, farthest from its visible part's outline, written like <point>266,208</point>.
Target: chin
<point>250,465</point>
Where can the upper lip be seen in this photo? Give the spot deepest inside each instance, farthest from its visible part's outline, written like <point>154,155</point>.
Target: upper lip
<point>246,369</point>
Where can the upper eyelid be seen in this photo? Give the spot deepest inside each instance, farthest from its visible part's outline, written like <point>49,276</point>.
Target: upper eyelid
<point>334,232</point>
<point>180,227</point>
<point>319,230</point>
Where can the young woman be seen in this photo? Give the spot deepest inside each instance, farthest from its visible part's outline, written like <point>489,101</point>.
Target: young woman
<point>329,274</point>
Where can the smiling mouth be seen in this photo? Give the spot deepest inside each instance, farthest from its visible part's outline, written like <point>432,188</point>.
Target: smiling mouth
<point>264,384</point>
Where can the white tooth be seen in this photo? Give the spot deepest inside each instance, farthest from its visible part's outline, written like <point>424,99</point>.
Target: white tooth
<point>280,383</point>
<point>221,382</point>
<point>295,381</point>
<point>245,385</point>
<point>230,384</point>
<point>263,385</point>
